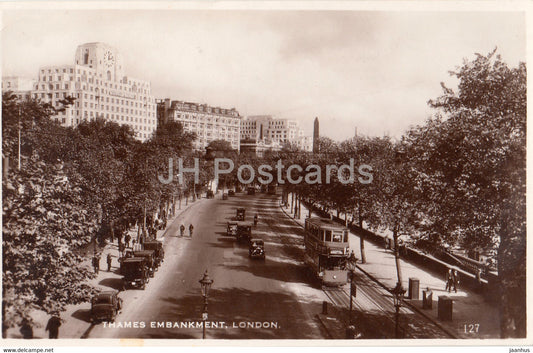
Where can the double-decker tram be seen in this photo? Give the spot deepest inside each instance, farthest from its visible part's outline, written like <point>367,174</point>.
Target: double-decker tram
<point>327,250</point>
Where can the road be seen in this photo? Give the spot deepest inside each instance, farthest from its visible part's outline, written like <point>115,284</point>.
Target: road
<point>250,299</point>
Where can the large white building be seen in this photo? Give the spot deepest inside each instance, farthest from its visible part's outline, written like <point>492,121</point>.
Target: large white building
<point>208,123</point>
<point>273,130</point>
<point>98,83</point>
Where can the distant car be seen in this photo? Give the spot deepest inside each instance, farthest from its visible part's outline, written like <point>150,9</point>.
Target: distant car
<point>224,196</point>
<point>256,248</point>
<point>241,213</point>
<point>231,192</point>
<point>210,194</point>
<point>105,306</point>
<point>232,229</point>
<point>244,231</point>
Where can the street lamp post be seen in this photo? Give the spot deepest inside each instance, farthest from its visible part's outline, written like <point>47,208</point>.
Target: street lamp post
<point>205,283</point>
<point>398,293</point>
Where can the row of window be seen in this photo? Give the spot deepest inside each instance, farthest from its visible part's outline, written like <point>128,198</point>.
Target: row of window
<point>70,78</point>
<point>183,117</point>
<point>90,72</point>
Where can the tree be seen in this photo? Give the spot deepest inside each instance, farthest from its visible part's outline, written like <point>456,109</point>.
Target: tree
<point>46,222</point>
<point>471,166</point>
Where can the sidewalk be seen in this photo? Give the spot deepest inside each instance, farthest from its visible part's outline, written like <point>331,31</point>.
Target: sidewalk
<point>470,311</point>
<point>76,318</point>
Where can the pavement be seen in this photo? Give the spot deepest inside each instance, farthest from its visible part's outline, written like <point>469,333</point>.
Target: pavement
<point>76,317</point>
<point>472,317</point>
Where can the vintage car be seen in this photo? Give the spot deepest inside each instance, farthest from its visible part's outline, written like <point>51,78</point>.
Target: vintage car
<point>244,231</point>
<point>149,255</point>
<point>157,247</point>
<point>232,229</point>
<point>105,306</point>
<point>256,248</point>
<point>241,213</point>
<point>135,272</point>
<point>231,192</point>
<point>251,190</point>
<point>210,194</point>
<point>224,196</point>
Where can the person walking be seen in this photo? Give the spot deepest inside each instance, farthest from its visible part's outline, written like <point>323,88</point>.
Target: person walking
<point>127,239</point>
<point>455,280</point>
<point>96,263</point>
<point>191,228</point>
<point>449,280</point>
<point>109,261</point>
<point>53,325</point>
<point>182,230</point>
<point>25,329</point>
<point>256,217</point>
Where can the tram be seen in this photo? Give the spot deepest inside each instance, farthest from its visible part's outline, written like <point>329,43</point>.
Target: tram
<point>327,250</point>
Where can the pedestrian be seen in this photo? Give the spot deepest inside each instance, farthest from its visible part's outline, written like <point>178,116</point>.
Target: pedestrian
<point>109,260</point>
<point>182,230</point>
<point>449,280</point>
<point>53,325</point>
<point>127,239</point>
<point>191,228</point>
<point>25,329</point>
<point>455,280</point>
<point>96,263</point>
<point>255,219</point>
<point>121,248</point>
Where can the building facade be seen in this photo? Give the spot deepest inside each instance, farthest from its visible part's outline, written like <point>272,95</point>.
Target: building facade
<point>274,131</point>
<point>20,86</point>
<point>208,123</point>
<point>101,90</point>
<point>258,148</point>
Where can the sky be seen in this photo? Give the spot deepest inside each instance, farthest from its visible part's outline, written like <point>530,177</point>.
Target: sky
<point>370,70</point>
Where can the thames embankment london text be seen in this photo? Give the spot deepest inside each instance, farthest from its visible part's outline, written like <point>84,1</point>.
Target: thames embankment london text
<point>193,324</point>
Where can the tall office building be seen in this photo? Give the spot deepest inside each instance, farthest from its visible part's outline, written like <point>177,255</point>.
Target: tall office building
<point>208,123</point>
<point>97,81</point>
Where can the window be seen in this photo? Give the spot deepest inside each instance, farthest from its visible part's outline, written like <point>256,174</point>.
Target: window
<point>328,235</point>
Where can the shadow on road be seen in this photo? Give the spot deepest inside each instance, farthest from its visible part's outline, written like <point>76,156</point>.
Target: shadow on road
<point>82,314</point>
<point>115,283</point>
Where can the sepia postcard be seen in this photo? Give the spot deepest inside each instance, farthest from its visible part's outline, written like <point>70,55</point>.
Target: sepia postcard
<point>299,173</point>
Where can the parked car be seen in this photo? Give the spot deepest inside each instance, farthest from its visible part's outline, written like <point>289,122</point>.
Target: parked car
<point>231,192</point>
<point>256,248</point>
<point>231,229</point>
<point>251,191</point>
<point>150,263</point>
<point>224,196</point>
<point>105,306</point>
<point>135,272</point>
<point>241,213</point>
<point>210,194</point>
<point>157,247</point>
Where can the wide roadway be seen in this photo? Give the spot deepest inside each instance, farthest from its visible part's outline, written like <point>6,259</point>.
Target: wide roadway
<point>250,298</point>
